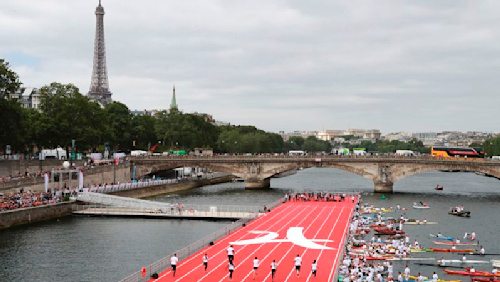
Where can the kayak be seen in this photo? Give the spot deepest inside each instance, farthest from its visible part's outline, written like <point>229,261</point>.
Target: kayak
<point>452,250</point>
<point>416,259</point>
<point>441,237</point>
<point>421,250</point>
<point>477,273</point>
<point>387,231</point>
<point>456,244</point>
<point>421,207</point>
<point>420,223</point>
<point>415,278</point>
<point>464,261</point>
<point>477,279</point>
<point>378,225</point>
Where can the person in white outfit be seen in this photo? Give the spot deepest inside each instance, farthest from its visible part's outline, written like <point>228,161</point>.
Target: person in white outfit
<point>298,262</point>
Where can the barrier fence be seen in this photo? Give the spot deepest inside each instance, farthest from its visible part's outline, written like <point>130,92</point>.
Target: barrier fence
<point>186,211</point>
<point>164,263</point>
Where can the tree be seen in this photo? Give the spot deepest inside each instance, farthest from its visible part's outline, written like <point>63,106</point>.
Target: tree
<point>143,131</point>
<point>119,122</point>
<point>68,115</point>
<point>12,130</point>
<point>9,80</point>
<point>492,146</point>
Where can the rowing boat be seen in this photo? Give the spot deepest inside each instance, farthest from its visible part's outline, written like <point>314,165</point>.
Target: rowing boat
<point>477,279</point>
<point>464,261</point>
<point>388,231</point>
<point>476,273</point>
<point>416,259</point>
<point>420,207</point>
<point>415,278</point>
<point>455,244</point>
<point>460,213</point>
<point>441,237</point>
<point>452,250</point>
<point>421,250</point>
<point>420,222</point>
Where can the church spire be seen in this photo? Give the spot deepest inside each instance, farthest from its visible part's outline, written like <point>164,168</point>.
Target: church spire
<point>173,103</point>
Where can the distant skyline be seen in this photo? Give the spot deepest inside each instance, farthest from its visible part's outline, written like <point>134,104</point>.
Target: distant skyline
<point>279,65</point>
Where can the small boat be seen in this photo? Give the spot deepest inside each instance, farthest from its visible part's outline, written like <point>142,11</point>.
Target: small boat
<point>464,261</point>
<point>421,250</point>
<point>420,222</point>
<point>386,231</point>
<point>476,273</point>
<point>378,225</point>
<point>415,259</point>
<point>477,279</point>
<point>442,237</point>
<point>455,244</point>
<point>452,250</point>
<point>415,278</point>
<point>459,213</point>
<point>439,188</point>
<point>421,206</point>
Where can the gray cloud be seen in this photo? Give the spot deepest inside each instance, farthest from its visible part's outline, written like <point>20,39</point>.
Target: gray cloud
<point>279,65</point>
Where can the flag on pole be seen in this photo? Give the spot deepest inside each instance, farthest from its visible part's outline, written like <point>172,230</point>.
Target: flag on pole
<point>46,176</point>
<point>80,180</point>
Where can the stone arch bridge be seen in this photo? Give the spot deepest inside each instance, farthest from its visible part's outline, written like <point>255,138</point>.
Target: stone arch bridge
<point>257,170</point>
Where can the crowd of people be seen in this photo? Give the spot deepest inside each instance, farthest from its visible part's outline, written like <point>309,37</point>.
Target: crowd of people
<point>316,196</point>
<point>26,199</point>
<point>369,259</point>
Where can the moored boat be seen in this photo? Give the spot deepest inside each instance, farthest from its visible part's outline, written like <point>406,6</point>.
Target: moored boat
<point>442,237</point>
<point>460,213</point>
<point>475,273</point>
<point>387,231</point>
<point>455,244</point>
<point>452,250</point>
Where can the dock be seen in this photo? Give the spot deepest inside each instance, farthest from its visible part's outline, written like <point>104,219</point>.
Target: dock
<point>151,213</point>
<point>313,230</point>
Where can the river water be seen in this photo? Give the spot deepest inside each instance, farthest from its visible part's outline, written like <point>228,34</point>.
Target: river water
<point>109,249</point>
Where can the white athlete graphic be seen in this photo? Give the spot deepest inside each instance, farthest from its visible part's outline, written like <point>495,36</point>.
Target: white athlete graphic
<point>293,235</point>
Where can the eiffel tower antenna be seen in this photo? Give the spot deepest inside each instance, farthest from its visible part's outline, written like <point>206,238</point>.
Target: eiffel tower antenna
<point>99,86</point>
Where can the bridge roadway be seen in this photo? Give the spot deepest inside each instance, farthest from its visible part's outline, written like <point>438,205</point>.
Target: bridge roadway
<point>312,230</point>
<point>258,170</point>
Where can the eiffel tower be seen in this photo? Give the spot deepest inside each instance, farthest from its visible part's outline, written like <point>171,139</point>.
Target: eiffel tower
<point>99,87</point>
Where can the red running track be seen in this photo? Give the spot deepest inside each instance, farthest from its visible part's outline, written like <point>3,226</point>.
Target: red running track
<point>276,236</point>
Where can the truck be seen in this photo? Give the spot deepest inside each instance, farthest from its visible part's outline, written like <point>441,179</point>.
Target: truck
<point>405,153</point>
<point>58,154</point>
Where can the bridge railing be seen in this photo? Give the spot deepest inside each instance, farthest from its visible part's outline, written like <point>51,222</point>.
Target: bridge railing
<point>164,263</point>
<point>306,157</point>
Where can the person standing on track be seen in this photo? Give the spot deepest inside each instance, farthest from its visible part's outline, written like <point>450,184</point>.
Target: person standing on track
<point>231,269</point>
<point>173,263</point>
<point>230,253</point>
<point>314,267</point>
<point>255,267</point>
<point>298,262</point>
<point>273,269</point>
<point>205,261</point>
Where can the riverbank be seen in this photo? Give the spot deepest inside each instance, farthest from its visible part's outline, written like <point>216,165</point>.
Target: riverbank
<point>40,213</point>
<point>34,214</point>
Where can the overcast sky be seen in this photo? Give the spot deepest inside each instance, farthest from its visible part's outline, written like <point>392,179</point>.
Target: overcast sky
<point>278,65</point>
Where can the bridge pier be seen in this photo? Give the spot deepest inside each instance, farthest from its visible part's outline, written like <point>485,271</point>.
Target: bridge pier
<point>383,187</point>
<point>258,183</point>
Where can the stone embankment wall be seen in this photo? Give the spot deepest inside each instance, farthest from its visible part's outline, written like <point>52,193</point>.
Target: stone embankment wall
<point>14,167</point>
<point>29,215</point>
<point>100,174</point>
